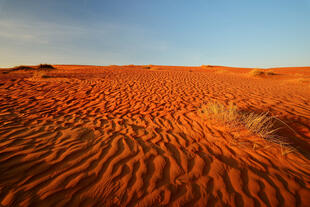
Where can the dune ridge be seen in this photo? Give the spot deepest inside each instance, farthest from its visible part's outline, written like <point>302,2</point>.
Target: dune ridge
<point>129,136</point>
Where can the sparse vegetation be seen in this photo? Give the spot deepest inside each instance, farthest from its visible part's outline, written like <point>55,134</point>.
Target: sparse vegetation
<point>260,72</point>
<point>206,66</point>
<point>256,72</point>
<point>29,68</point>
<point>22,67</point>
<point>46,67</point>
<point>228,115</point>
<point>260,124</point>
<point>270,72</point>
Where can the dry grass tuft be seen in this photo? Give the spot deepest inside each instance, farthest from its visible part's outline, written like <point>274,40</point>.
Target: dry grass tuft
<point>261,124</point>
<point>228,115</point>
<point>256,72</point>
<point>206,66</point>
<point>260,72</point>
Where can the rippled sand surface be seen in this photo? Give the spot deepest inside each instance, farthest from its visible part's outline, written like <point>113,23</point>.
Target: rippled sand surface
<point>134,136</point>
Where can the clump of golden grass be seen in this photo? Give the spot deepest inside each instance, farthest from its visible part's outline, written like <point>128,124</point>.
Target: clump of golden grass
<point>260,124</point>
<point>228,115</point>
<point>256,72</point>
<point>260,72</point>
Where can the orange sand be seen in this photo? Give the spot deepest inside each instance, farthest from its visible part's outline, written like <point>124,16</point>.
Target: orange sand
<point>134,136</point>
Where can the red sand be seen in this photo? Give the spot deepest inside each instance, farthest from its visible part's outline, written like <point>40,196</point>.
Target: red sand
<point>134,136</point>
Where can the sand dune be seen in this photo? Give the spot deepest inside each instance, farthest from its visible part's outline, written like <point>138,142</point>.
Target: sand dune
<point>133,136</point>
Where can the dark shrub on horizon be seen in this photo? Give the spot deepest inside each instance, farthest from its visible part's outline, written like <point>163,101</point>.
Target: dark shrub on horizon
<point>46,66</point>
<point>23,67</point>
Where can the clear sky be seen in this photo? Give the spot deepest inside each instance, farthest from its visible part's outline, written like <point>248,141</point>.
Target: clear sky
<point>246,33</point>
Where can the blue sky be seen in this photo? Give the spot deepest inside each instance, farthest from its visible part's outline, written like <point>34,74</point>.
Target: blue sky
<point>246,33</point>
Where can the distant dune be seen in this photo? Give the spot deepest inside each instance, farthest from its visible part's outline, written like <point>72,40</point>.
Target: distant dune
<point>137,136</point>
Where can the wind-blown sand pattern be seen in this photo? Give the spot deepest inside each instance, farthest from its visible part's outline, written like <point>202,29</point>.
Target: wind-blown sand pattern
<point>134,136</point>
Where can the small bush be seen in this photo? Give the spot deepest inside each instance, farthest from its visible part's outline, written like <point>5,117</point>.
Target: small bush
<point>148,66</point>
<point>260,72</point>
<point>256,72</point>
<point>270,73</point>
<point>46,66</point>
<point>22,67</point>
<point>259,124</point>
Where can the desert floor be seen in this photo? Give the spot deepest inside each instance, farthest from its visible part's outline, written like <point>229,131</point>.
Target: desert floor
<point>135,136</point>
